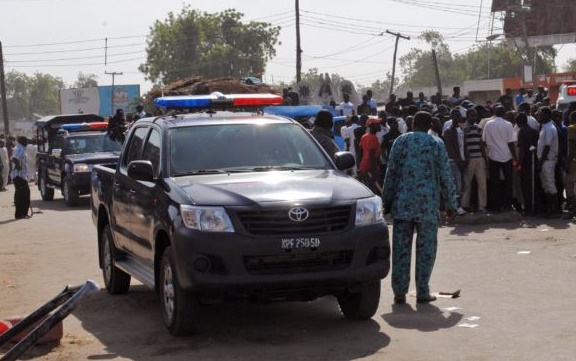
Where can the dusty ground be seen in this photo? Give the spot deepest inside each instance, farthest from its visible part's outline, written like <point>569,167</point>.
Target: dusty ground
<point>517,288</point>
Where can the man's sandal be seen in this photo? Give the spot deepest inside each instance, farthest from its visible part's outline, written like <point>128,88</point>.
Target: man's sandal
<point>426,299</point>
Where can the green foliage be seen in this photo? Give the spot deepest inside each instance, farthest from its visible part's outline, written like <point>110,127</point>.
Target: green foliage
<point>212,45</point>
<point>488,60</point>
<point>86,81</point>
<point>26,95</point>
<point>570,65</point>
<point>379,87</point>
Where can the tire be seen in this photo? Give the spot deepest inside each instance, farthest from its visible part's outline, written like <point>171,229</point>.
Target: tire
<point>361,305</point>
<point>179,307</point>
<point>69,193</point>
<point>46,192</point>
<point>116,281</point>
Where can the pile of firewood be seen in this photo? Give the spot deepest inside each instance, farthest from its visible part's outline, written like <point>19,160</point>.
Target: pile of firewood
<point>198,85</point>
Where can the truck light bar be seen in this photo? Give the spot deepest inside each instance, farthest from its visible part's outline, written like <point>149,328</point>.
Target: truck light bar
<point>84,126</point>
<point>217,99</point>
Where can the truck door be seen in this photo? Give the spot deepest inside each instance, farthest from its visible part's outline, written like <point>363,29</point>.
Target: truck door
<point>123,190</point>
<point>54,157</point>
<point>144,202</point>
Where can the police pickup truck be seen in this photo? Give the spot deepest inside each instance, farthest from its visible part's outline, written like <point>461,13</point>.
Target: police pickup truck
<point>70,146</point>
<point>212,205</point>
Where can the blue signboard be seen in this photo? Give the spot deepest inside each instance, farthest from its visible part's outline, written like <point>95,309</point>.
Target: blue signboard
<point>124,95</point>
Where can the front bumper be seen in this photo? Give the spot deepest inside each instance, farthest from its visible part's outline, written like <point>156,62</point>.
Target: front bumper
<point>81,182</point>
<point>234,264</point>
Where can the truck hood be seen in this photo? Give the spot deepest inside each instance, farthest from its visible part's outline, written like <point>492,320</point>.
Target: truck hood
<point>94,158</point>
<point>238,189</point>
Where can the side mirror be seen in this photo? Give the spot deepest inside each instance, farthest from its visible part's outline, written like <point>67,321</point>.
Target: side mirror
<point>56,152</point>
<point>344,160</point>
<point>141,170</point>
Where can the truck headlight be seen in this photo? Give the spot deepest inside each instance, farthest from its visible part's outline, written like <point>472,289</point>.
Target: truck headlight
<point>207,219</point>
<point>81,167</point>
<point>369,211</point>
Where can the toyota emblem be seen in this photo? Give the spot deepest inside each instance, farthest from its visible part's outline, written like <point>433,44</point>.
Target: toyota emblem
<point>298,214</point>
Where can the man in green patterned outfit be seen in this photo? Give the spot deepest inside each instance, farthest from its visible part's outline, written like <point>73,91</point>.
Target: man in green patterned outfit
<point>418,178</point>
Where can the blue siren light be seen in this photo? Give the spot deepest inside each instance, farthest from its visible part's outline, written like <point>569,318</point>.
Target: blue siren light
<point>217,99</point>
<point>84,126</point>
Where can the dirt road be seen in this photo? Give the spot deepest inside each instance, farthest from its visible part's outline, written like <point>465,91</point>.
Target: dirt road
<point>517,301</point>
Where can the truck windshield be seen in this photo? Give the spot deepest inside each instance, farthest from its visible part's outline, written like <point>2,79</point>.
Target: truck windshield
<point>91,144</point>
<point>243,148</point>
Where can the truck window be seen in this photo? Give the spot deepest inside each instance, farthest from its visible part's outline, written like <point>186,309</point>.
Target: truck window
<point>243,147</point>
<point>152,150</point>
<point>135,147</point>
<point>57,143</point>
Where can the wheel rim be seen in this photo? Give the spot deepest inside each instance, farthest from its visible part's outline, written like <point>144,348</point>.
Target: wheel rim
<point>168,293</point>
<point>107,266</point>
<point>42,185</point>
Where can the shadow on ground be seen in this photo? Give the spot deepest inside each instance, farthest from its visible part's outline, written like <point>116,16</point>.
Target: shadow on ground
<point>131,326</point>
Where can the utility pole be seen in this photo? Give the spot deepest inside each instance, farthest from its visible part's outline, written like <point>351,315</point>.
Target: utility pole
<point>398,36</point>
<point>298,48</point>
<point>3,93</point>
<point>437,72</point>
<point>531,53</point>
<point>114,73</point>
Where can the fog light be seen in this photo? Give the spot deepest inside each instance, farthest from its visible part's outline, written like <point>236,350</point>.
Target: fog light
<point>202,264</point>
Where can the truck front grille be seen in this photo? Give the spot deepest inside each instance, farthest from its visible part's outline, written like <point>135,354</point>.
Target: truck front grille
<point>298,263</point>
<point>276,222</point>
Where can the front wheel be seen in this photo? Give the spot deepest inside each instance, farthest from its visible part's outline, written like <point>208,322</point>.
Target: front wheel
<point>361,305</point>
<point>69,193</point>
<point>179,307</point>
<point>46,192</point>
<point>116,281</point>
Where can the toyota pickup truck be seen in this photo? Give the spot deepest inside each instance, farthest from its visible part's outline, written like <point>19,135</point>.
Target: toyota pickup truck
<point>72,145</point>
<point>211,205</point>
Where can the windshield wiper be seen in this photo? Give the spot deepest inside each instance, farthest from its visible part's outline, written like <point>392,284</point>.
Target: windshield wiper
<point>278,167</point>
<point>202,171</point>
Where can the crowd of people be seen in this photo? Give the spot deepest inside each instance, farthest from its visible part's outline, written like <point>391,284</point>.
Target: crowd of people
<point>423,156</point>
<point>516,153</point>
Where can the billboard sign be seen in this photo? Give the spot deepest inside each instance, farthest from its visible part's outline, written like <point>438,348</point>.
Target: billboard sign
<point>98,100</point>
<point>541,22</point>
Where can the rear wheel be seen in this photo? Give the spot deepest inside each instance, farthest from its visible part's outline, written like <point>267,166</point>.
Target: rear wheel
<point>361,305</point>
<point>116,281</point>
<point>69,193</point>
<point>179,307</point>
<point>46,192</point>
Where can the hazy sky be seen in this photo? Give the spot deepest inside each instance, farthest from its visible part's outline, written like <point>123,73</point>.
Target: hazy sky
<point>65,37</point>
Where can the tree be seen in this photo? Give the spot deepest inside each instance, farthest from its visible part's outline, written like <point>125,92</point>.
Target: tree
<point>17,94</point>
<point>211,45</point>
<point>86,81</point>
<point>570,65</point>
<point>484,61</point>
<point>29,95</point>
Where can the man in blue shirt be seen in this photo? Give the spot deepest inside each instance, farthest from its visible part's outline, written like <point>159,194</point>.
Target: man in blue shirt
<point>418,178</point>
<point>520,97</point>
<point>20,179</point>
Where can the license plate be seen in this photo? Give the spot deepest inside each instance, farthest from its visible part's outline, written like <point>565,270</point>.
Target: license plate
<point>300,242</point>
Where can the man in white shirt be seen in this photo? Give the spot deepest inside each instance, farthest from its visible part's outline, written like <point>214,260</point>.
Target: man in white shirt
<point>346,107</point>
<point>498,137</point>
<point>5,168</point>
<point>532,122</point>
<point>547,153</point>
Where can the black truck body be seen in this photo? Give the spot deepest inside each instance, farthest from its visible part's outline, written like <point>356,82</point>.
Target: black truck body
<point>65,159</point>
<point>203,207</point>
